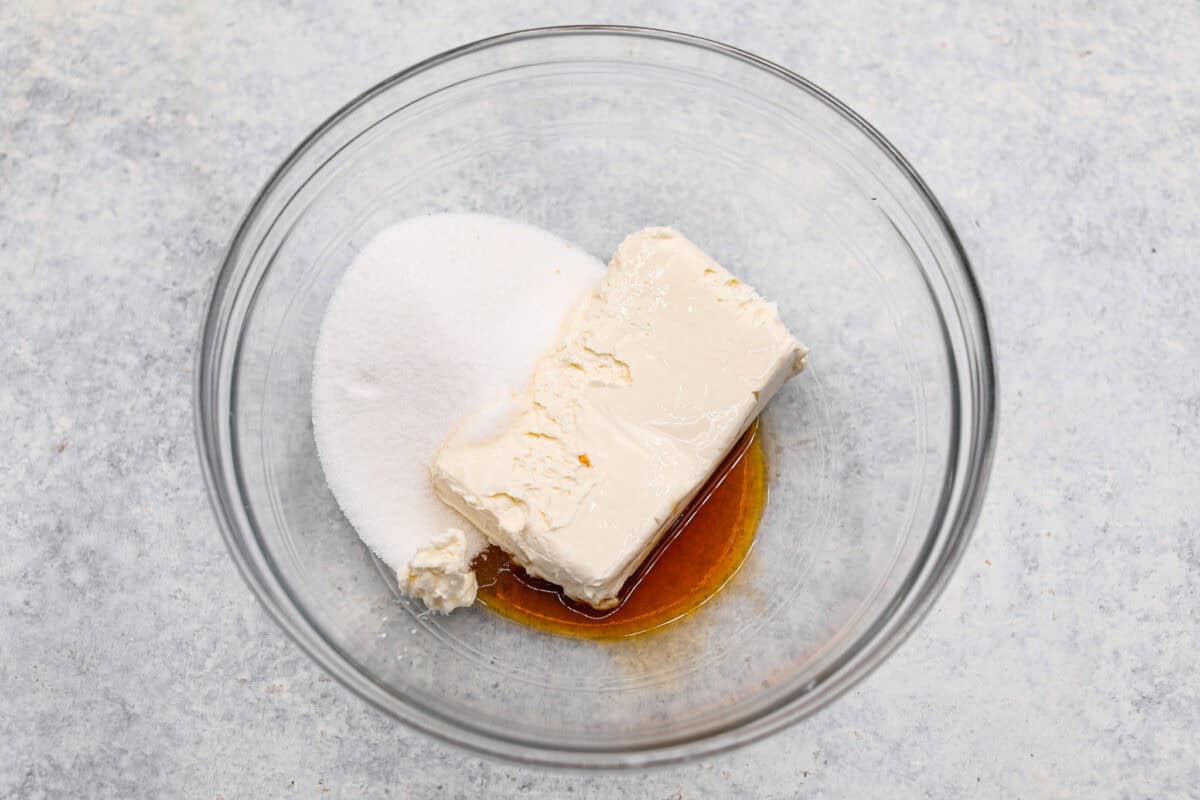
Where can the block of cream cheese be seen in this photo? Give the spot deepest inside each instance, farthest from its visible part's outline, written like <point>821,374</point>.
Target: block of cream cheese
<point>655,377</point>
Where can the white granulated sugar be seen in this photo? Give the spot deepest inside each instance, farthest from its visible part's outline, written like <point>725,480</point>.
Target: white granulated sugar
<point>438,316</point>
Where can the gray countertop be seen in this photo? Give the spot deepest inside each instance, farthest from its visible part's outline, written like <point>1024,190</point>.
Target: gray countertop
<point>1064,141</point>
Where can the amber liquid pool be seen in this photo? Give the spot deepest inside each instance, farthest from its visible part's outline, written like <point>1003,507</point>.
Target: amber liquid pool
<point>696,558</point>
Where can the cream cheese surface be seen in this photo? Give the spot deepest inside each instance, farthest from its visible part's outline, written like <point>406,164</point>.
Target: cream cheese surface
<point>656,375</point>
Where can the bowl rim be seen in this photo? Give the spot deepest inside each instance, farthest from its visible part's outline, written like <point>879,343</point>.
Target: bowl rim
<point>868,651</point>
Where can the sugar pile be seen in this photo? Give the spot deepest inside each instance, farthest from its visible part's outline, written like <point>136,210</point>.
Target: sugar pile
<point>437,317</point>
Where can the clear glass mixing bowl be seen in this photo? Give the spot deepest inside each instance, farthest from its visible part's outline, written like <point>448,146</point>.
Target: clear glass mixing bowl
<point>878,454</point>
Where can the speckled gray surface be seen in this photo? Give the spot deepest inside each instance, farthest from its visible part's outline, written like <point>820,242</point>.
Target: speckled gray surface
<point>1065,144</point>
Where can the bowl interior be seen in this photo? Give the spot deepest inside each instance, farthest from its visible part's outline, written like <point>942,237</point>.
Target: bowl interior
<point>592,136</point>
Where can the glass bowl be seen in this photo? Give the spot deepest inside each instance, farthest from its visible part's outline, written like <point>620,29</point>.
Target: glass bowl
<point>878,454</point>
